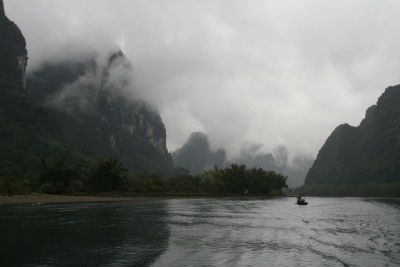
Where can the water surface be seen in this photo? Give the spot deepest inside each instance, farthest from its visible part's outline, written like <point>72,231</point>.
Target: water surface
<point>203,232</point>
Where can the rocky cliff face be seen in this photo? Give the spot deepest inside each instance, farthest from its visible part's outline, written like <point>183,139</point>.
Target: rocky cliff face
<point>28,131</point>
<point>72,104</point>
<point>363,154</point>
<point>94,108</point>
<point>13,53</point>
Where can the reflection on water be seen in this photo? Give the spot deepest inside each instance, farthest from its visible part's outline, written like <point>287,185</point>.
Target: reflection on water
<point>111,234</point>
<point>204,232</point>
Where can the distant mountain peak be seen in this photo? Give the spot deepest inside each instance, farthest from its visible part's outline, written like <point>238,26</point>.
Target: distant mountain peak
<point>197,156</point>
<point>117,55</point>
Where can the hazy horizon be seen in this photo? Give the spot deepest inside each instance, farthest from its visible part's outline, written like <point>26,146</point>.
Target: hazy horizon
<point>268,73</point>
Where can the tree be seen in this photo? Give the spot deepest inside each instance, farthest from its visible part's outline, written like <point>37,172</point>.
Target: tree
<point>55,177</point>
<point>107,175</point>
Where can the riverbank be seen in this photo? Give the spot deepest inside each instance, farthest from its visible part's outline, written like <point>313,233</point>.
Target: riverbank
<point>44,198</point>
<point>36,198</point>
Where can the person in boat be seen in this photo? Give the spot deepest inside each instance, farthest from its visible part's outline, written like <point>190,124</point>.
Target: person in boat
<point>300,200</point>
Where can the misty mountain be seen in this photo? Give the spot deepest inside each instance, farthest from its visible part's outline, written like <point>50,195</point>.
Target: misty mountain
<point>197,156</point>
<point>92,105</point>
<point>251,157</point>
<point>27,130</point>
<point>364,154</point>
<point>278,161</point>
<point>297,171</point>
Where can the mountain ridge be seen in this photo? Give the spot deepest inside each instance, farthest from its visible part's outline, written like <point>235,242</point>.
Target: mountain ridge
<point>75,112</point>
<point>97,113</point>
<point>368,153</point>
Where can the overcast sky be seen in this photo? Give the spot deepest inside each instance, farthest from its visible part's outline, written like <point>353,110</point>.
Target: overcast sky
<point>267,72</point>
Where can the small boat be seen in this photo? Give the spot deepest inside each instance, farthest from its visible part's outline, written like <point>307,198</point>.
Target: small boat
<point>301,201</point>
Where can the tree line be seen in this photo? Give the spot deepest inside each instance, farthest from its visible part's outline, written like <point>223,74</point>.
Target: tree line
<point>110,175</point>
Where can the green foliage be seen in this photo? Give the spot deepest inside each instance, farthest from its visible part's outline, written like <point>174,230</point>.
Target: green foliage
<point>106,116</point>
<point>55,177</point>
<point>180,183</point>
<point>238,180</point>
<point>28,132</point>
<point>107,175</point>
<point>9,186</point>
<point>229,181</point>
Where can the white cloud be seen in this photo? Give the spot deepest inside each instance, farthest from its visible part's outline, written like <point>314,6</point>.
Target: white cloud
<point>270,72</point>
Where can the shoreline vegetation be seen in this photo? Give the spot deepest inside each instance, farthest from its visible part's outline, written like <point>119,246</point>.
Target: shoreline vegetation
<point>57,181</point>
<point>109,178</point>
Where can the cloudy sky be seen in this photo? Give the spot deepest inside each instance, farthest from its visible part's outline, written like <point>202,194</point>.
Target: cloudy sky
<point>266,72</point>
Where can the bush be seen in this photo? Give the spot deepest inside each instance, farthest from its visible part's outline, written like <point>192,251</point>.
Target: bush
<point>55,177</point>
<point>9,186</point>
<point>108,175</point>
<point>237,179</point>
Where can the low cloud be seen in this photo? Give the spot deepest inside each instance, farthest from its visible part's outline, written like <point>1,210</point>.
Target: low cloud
<point>266,72</point>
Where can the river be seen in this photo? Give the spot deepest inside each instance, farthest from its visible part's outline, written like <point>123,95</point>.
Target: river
<point>203,232</point>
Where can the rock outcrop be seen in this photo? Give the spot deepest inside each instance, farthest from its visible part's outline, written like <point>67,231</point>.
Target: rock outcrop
<point>78,110</point>
<point>96,108</point>
<point>364,154</point>
<point>13,53</point>
<point>28,131</point>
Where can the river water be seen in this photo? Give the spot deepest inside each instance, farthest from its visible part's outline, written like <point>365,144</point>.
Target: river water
<point>203,232</point>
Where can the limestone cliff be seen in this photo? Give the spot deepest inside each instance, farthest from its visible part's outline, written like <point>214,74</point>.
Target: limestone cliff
<point>96,108</point>
<point>13,53</point>
<point>28,131</point>
<point>364,154</point>
<point>78,109</point>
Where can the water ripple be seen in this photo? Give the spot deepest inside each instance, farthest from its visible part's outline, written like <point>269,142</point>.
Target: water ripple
<point>203,232</point>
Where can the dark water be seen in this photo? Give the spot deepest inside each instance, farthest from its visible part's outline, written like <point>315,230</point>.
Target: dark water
<point>203,232</point>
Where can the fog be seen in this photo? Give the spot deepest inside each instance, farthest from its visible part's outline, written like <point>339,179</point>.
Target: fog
<point>271,73</point>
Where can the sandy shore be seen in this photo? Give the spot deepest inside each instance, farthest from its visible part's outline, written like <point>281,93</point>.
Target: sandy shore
<point>43,198</point>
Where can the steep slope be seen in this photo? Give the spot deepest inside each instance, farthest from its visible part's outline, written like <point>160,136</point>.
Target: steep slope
<point>95,109</point>
<point>13,53</point>
<point>28,132</point>
<point>364,154</point>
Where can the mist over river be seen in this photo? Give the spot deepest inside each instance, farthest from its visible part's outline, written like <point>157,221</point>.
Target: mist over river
<point>203,232</point>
